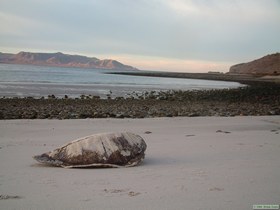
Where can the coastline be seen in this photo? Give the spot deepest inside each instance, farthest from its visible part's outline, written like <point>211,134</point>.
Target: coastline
<point>257,99</point>
<point>241,78</point>
<point>191,163</point>
<point>260,97</point>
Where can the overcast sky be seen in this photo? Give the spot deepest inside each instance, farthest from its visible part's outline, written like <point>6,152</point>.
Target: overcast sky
<point>173,35</point>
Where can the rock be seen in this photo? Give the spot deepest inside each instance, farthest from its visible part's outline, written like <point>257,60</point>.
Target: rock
<point>120,115</point>
<point>267,65</point>
<point>193,115</point>
<point>99,150</point>
<point>262,99</point>
<point>95,97</point>
<point>272,112</point>
<point>51,96</point>
<point>148,132</point>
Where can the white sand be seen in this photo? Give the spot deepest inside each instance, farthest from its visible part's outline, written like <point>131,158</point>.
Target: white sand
<point>188,165</point>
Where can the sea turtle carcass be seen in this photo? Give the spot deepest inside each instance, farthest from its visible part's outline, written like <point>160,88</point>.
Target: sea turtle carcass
<point>98,150</point>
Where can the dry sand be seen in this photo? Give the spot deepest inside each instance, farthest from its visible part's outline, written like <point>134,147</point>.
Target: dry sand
<point>191,163</point>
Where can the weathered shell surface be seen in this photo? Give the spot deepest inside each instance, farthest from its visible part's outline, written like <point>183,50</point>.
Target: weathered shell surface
<point>99,150</point>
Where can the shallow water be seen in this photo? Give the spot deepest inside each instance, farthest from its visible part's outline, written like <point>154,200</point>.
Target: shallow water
<point>37,81</point>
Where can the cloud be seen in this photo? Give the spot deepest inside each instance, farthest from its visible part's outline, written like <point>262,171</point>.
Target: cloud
<point>228,30</point>
<point>179,30</point>
<point>13,25</point>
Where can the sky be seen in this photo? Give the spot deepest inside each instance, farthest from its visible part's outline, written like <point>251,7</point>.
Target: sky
<point>166,35</point>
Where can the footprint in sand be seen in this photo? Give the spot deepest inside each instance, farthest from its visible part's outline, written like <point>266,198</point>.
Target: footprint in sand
<point>114,191</point>
<point>122,192</point>
<point>216,189</point>
<point>7,197</point>
<point>132,194</point>
<point>220,131</point>
<point>274,131</point>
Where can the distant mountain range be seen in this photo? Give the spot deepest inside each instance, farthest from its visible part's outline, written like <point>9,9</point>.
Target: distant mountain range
<point>267,65</point>
<point>62,60</point>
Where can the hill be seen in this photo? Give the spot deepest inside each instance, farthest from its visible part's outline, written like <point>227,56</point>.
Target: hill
<point>62,60</point>
<point>267,65</point>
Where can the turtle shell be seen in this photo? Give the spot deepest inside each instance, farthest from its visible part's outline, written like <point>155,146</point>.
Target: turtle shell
<point>99,150</point>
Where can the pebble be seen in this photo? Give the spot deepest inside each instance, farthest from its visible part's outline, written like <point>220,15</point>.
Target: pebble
<point>250,101</point>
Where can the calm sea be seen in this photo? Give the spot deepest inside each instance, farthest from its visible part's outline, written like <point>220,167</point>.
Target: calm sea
<point>37,81</point>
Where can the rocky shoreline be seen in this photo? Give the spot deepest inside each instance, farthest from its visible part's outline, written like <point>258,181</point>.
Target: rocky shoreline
<point>257,99</point>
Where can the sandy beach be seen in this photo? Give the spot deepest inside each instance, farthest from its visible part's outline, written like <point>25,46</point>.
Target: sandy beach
<point>191,163</point>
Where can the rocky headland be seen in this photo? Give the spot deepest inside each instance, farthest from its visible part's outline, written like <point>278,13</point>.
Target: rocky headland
<point>62,60</point>
<point>267,65</point>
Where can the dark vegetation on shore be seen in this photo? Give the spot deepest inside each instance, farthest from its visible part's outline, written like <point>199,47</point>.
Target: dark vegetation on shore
<point>259,98</point>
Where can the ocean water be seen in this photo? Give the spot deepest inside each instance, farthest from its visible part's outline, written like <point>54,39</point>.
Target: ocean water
<point>38,81</point>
